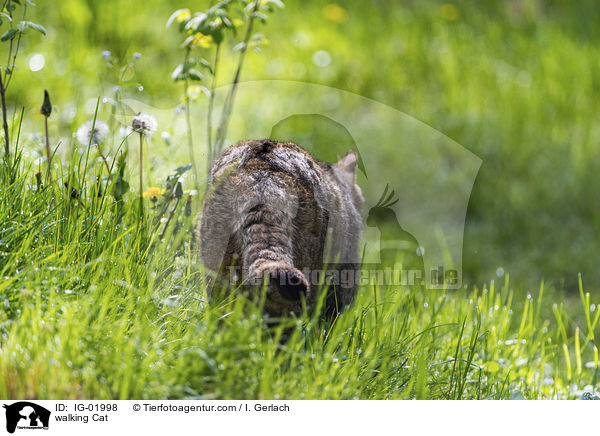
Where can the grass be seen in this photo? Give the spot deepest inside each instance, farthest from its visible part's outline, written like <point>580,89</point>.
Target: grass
<point>97,307</point>
<point>514,82</point>
<point>93,305</point>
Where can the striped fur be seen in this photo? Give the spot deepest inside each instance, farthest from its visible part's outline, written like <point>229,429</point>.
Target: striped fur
<point>276,213</point>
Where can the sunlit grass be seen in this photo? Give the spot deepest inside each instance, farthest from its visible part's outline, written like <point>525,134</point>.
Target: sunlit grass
<point>97,308</point>
<point>93,304</point>
<point>514,83</point>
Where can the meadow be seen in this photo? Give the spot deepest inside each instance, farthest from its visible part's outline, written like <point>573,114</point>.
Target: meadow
<point>102,294</point>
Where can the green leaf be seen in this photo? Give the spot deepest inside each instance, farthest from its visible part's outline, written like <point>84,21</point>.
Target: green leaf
<point>177,73</point>
<point>239,46</point>
<point>178,190</point>
<point>185,70</point>
<point>187,41</point>
<point>205,90</point>
<point>188,65</point>
<point>259,15</point>
<point>197,23</point>
<point>220,13</point>
<point>23,25</point>
<point>194,75</point>
<point>204,63</point>
<point>38,27</point>
<point>9,34</point>
<point>183,169</point>
<point>227,22</point>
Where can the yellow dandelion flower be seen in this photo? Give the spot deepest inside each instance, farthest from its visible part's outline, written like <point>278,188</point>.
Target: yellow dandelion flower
<point>335,13</point>
<point>201,40</point>
<point>153,193</point>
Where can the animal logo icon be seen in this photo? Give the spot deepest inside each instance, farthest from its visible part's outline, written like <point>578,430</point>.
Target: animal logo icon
<point>25,414</point>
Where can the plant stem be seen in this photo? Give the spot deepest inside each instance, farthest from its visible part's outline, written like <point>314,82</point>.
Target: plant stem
<point>105,161</point>
<point>188,119</point>
<point>4,120</point>
<point>4,81</point>
<point>211,102</point>
<point>49,158</point>
<point>10,51</point>
<point>228,104</point>
<point>48,155</point>
<point>162,235</point>
<point>141,175</point>
<point>14,56</point>
<point>162,213</point>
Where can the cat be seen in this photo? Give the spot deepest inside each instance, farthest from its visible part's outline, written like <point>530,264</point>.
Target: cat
<point>273,215</point>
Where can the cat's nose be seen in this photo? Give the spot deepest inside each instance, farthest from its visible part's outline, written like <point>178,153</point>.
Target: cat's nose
<point>291,284</point>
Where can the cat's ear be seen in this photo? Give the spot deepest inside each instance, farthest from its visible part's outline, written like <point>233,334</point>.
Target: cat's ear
<point>347,166</point>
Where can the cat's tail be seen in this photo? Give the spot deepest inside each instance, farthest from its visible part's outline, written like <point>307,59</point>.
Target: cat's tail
<point>267,252</point>
<point>251,212</point>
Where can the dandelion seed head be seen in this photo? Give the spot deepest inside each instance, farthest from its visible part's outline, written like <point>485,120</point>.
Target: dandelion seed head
<point>97,132</point>
<point>144,123</point>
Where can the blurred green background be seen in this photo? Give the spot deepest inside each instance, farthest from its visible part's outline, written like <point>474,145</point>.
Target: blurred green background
<point>516,82</point>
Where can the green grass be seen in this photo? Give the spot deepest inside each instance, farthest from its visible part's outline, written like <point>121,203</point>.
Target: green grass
<point>99,308</point>
<point>93,305</point>
<point>514,82</point>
